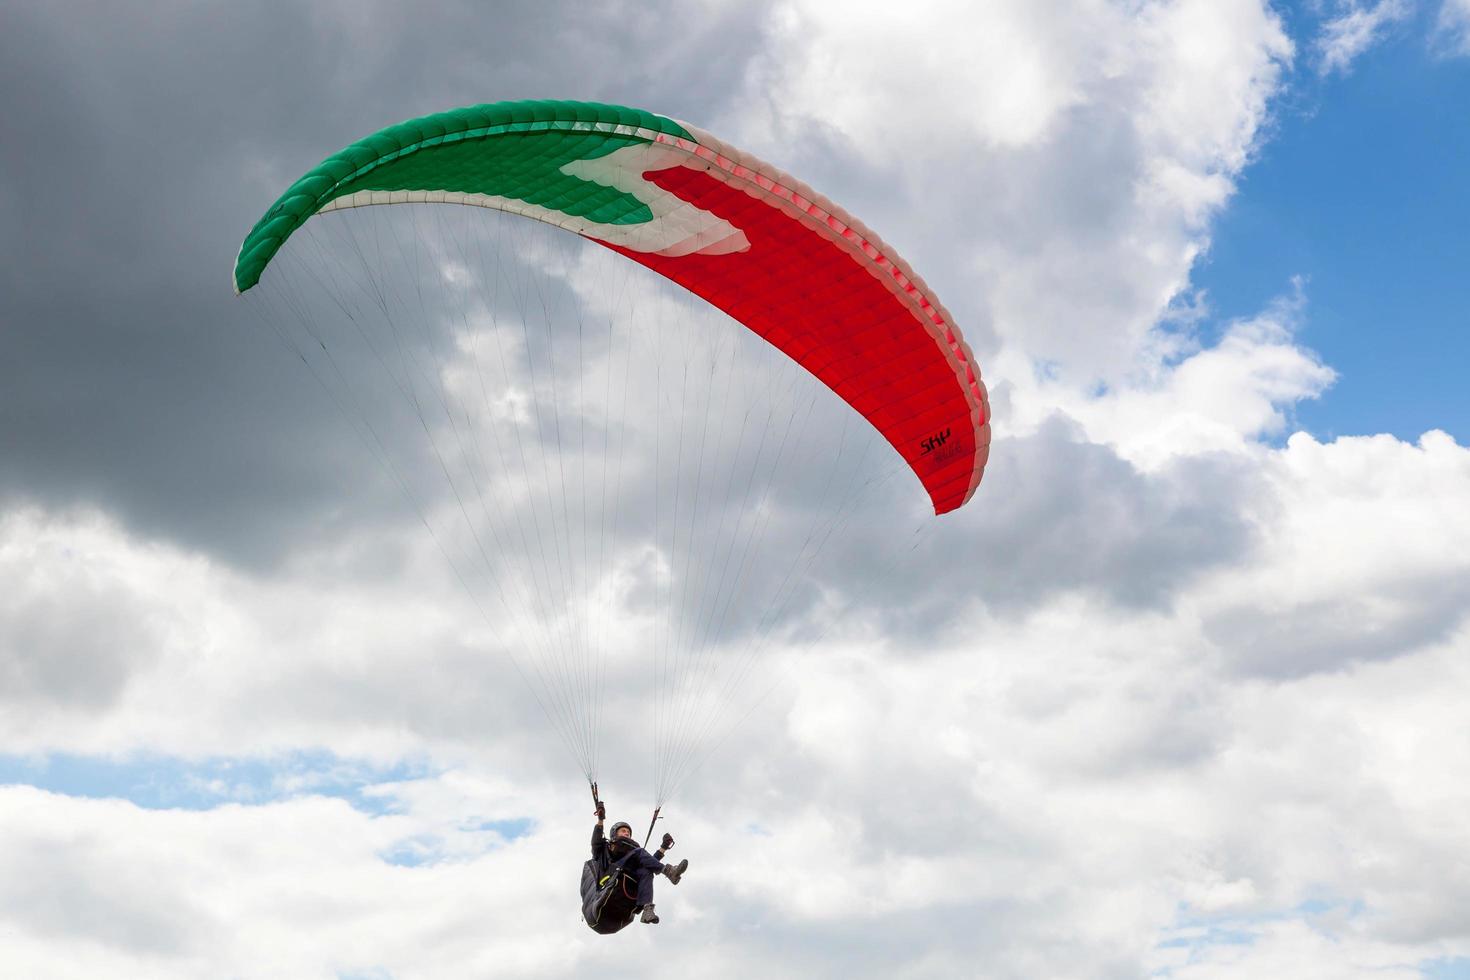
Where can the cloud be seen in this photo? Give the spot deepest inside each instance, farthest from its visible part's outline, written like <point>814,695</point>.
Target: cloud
<point>1364,558</point>
<point>73,628</point>
<point>216,660</point>
<point>1452,26</point>
<point>1080,761</point>
<point>1354,30</point>
<point>1065,206</point>
<point>171,893</point>
<point>134,379</point>
<point>1184,399</point>
<point>1277,948</point>
<point>1058,514</point>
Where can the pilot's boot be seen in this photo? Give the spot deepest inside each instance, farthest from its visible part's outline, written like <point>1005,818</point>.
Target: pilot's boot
<point>673,871</point>
<point>649,915</point>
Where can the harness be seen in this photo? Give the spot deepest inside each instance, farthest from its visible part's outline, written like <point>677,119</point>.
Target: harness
<point>614,870</point>
<point>608,900</point>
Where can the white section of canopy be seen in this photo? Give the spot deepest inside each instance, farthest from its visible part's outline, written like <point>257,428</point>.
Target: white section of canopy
<point>678,228</point>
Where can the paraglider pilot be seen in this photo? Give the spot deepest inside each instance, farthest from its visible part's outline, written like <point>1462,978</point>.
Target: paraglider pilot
<point>622,851</point>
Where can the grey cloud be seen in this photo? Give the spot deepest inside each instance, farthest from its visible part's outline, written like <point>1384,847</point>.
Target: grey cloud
<point>73,889</point>
<point>133,379</point>
<point>73,648</point>
<point>1334,634</point>
<point>1055,514</point>
<point>439,687</point>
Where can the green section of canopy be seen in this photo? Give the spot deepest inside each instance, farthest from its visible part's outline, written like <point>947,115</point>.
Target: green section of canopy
<point>506,149</point>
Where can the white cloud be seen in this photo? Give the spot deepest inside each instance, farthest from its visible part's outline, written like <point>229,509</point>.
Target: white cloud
<point>1364,558</point>
<point>872,76</point>
<point>102,887</point>
<point>1291,948</point>
<point>1452,26</point>
<point>1077,764</point>
<point>1070,203</point>
<point>1223,398</point>
<point>1354,30</point>
<point>218,662</point>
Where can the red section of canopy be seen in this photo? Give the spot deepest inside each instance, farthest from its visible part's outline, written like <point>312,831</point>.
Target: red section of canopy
<point>826,311</point>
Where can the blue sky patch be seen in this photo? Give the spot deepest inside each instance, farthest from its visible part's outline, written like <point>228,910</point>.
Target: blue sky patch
<point>156,782</point>
<point>1360,191</point>
<point>509,829</point>
<point>1450,968</point>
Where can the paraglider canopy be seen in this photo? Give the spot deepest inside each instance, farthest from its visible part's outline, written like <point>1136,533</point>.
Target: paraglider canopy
<point>752,240</point>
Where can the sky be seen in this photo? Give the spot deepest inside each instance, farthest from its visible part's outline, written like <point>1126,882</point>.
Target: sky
<point>1179,694</point>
